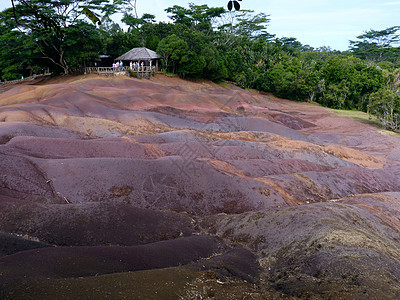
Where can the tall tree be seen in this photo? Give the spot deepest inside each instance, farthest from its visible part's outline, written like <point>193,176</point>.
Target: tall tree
<point>385,105</point>
<point>237,27</point>
<point>197,17</point>
<point>173,49</point>
<point>16,48</point>
<point>377,45</point>
<point>53,25</point>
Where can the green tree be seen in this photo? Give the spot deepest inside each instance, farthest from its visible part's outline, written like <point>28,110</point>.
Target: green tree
<point>238,27</point>
<point>53,26</point>
<point>114,40</point>
<point>196,17</point>
<point>253,26</point>
<point>377,45</point>
<point>385,105</point>
<point>173,50</point>
<point>16,48</point>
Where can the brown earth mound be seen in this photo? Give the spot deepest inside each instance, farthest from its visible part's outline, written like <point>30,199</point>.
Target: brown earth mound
<point>195,190</point>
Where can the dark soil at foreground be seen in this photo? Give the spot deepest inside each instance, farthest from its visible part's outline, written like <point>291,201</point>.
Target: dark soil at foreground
<point>122,188</point>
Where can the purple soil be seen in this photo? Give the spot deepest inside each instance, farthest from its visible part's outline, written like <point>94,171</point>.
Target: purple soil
<point>8,131</point>
<point>93,224</point>
<point>332,249</point>
<point>62,148</point>
<point>121,165</point>
<point>10,244</point>
<point>238,262</point>
<point>335,184</point>
<point>263,167</point>
<point>66,262</point>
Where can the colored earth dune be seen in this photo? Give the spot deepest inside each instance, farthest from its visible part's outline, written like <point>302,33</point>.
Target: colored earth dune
<point>120,188</point>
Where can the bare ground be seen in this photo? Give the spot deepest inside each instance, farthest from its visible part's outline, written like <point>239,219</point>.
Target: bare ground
<point>168,189</point>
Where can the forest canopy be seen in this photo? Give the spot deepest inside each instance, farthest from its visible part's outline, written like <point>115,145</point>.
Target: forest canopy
<point>205,42</point>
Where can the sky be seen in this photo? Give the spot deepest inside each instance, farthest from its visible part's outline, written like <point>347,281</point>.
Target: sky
<point>330,23</point>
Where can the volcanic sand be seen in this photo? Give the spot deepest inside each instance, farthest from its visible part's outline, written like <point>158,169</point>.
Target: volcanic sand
<point>119,186</point>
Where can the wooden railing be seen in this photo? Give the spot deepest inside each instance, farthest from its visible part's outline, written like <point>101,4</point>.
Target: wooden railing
<point>144,71</point>
<point>116,70</point>
<point>26,78</point>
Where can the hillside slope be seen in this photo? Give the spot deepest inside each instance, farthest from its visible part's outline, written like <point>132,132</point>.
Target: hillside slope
<point>121,187</point>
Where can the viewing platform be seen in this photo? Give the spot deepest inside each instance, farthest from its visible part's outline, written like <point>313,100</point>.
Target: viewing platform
<point>140,72</point>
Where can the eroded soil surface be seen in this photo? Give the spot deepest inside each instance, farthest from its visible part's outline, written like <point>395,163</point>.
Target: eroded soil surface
<point>172,189</point>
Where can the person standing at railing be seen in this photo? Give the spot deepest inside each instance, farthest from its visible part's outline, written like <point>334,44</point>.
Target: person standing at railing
<point>130,65</point>
<point>120,65</point>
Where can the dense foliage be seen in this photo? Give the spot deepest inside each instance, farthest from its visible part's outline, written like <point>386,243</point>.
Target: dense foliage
<point>206,42</point>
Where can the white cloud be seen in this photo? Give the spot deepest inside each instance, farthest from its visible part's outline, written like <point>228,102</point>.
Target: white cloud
<point>393,3</point>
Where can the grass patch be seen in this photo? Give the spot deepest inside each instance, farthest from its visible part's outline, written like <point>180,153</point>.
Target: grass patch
<point>365,118</point>
<point>169,74</point>
<point>359,116</point>
<point>389,132</point>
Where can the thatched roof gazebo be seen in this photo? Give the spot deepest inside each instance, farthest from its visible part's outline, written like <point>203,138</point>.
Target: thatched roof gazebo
<point>141,54</point>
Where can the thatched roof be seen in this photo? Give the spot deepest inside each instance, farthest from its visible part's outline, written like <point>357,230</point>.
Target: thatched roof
<point>139,54</point>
